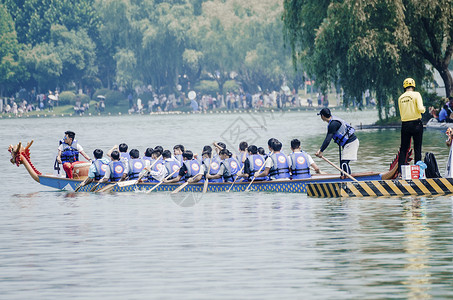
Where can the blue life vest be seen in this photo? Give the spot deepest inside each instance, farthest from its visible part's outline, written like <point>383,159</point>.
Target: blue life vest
<point>69,153</point>
<point>147,158</point>
<point>172,166</point>
<point>101,167</point>
<point>215,166</point>
<point>299,165</point>
<point>232,167</point>
<point>343,133</point>
<point>124,156</point>
<point>280,169</point>
<point>179,158</point>
<point>193,168</point>
<point>136,165</point>
<point>116,170</point>
<point>157,167</point>
<point>256,163</point>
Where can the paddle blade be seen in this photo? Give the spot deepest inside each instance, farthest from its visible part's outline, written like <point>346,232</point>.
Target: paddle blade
<point>106,188</point>
<point>127,183</point>
<point>180,188</point>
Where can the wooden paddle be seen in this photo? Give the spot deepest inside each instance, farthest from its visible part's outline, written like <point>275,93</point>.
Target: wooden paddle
<point>106,188</point>
<point>206,181</point>
<point>95,187</point>
<point>135,181</point>
<point>180,187</point>
<point>82,184</point>
<point>259,171</point>
<point>333,165</point>
<point>235,180</point>
<point>160,182</point>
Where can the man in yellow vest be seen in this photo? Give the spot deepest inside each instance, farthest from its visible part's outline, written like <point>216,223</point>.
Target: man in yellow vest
<point>411,107</point>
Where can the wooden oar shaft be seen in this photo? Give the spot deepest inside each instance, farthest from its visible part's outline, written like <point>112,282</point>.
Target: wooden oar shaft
<point>235,180</point>
<point>206,182</point>
<point>160,182</point>
<point>336,167</point>
<point>259,171</point>
<point>180,187</point>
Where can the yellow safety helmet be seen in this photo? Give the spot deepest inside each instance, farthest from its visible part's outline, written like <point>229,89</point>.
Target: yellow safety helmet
<point>408,82</point>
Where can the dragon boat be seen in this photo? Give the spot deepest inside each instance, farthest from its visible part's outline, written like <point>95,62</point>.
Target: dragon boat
<point>21,156</point>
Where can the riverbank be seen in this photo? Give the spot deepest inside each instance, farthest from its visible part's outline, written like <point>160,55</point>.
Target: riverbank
<point>68,111</point>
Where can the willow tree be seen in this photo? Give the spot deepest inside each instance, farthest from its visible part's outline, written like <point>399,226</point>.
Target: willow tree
<point>370,44</point>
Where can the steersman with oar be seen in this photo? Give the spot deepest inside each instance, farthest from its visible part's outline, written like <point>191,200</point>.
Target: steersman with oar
<point>343,134</point>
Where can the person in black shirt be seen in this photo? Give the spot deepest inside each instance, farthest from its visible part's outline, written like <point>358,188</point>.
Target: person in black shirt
<point>343,134</point>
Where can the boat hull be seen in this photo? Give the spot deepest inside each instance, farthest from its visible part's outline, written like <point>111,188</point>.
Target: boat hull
<point>286,186</point>
<point>377,188</point>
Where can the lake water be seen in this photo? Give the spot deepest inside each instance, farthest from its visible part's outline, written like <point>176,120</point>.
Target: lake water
<point>60,245</point>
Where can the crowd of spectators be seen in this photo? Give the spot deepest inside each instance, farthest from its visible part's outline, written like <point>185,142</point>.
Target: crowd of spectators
<point>145,100</point>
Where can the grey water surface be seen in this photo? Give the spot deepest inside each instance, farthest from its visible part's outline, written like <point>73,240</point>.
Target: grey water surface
<point>62,245</point>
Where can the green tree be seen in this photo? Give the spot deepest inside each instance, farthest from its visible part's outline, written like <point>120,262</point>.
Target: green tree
<point>44,65</point>
<point>34,18</point>
<point>370,44</point>
<point>11,67</point>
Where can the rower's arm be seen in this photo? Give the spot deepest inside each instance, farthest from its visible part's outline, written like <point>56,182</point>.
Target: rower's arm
<point>316,168</point>
<point>331,129</point>
<point>196,178</point>
<point>176,179</point>
<point>264,173</point>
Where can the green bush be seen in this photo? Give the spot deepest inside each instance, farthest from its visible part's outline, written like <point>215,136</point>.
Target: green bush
<point>206,87</point>
<point>113,97</point>
<point>231,86</point>
<point>66,98</point>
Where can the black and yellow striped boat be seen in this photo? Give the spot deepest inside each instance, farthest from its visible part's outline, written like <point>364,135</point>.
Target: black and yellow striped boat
<point>376,188</point>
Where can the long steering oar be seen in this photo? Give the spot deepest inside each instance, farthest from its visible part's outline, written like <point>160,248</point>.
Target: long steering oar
<point>235,180</point>
<point>333,165</point>
<point>135,181</point>
<point>259,171</point>
<point>160,182</point>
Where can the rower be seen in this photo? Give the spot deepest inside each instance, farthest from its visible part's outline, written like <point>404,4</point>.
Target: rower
<point>214,159</point>
<point>276,165</point>
<point>242,153</point>
<point>178,150</point>
<point>68,153</point>
<point>171,164</point>
<point>252,164</point>
<point>166,165</point>
<point>206,158</point>
<point>228,167</point>
<point>158,166</point>
<point>116,170</point>
<point>97,168</point>
<point>135,164</point>
<point>343,134</point>
<point>148,157</point>
<point>299,162</point>
<point>123,152</point>
<point>189,168</point>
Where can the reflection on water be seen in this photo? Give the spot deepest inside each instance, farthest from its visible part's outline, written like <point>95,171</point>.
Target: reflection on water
<point>417,246</point>
<point>59,245</point>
